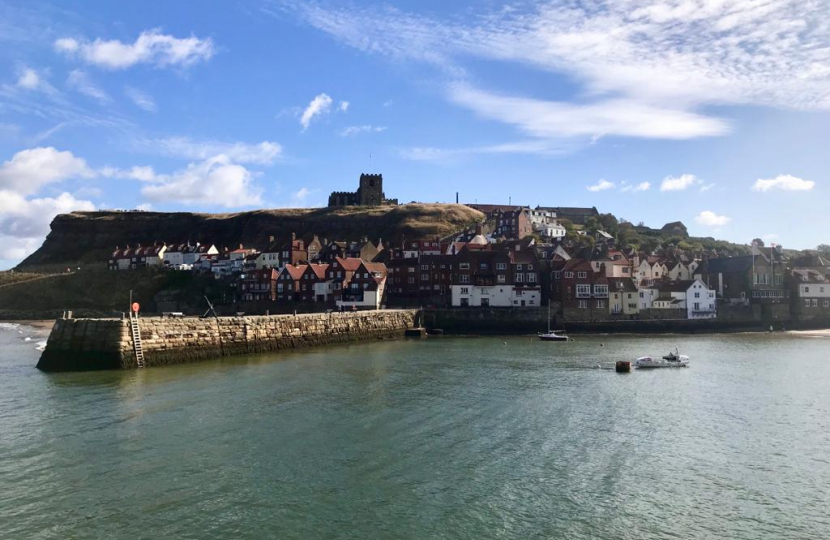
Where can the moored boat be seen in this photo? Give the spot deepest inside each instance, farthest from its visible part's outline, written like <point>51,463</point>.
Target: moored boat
<point>649,362</point>
<point>551,335</point>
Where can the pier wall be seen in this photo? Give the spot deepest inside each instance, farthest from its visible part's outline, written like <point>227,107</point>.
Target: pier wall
<point>89,344</point>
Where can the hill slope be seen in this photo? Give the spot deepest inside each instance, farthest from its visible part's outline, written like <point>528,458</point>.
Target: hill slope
<point>91,236</point>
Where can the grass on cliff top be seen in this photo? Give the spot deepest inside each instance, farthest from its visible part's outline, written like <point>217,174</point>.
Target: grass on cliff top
<point>405,211</point>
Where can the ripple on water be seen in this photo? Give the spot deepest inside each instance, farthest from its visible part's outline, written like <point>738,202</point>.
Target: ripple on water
<point>443,438</point>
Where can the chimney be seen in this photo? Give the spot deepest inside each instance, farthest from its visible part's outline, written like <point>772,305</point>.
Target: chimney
<point>478,228</point>
<point>456,197</point>
<point>293,236</point>
<point>271,239</point>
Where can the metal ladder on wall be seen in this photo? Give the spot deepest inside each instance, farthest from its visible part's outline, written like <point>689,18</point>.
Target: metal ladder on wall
<point>136,332</point>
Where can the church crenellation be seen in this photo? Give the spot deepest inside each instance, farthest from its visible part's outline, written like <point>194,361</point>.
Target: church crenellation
<point>369,193</point>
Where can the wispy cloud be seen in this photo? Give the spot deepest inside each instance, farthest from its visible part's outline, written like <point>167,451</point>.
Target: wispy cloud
<point>321,104</point>
<point>343,106</point>
<point>648,68</point>
<point>602,185</point>
<point>707,187</point>
<point>141,99</point>
<point>784,182</point>
<point>351,131</point>
<point>552,119</point>
<point>530,147</point>
<point>79,81</point>
<point>263,153</point>
<point>151,47</point>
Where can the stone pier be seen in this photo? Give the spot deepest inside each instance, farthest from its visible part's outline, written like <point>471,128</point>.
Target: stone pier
<point>90,344</point>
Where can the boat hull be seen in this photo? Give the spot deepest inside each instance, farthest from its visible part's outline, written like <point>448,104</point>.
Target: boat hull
<point>548,337</point>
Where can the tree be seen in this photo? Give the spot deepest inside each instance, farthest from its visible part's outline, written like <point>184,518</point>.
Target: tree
<point>758,242</point>
<point>824,249</point>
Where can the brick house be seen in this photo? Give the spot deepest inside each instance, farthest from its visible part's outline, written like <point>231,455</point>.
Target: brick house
<point>258,285</point>
<point>313,275</point>
<point>288,282</point>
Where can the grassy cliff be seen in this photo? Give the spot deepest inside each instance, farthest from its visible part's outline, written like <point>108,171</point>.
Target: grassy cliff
<point>85,237</point>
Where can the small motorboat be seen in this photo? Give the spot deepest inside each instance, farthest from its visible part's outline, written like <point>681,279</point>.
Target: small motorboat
<point>678,360</point>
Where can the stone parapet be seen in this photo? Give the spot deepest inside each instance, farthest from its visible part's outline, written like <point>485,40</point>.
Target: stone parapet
<point>89,344</point>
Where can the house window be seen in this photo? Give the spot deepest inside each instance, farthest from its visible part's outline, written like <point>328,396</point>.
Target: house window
<point>501,266</point>
<point>557,275</point>
<point>583,290</point>
<point>806,289</point>
<point>601,290</point>
<point>530,267</point>
<point>463,266</point>
<point>582,275</point>
<point>464,278</point>
<point>827,303</point>
<point>520,278</point>
<point>806,302</point>
<point>569,275</point>
<point>424,267</point>
<point>583,304</point>
<point>482,266</point>
<point>600,304</point>
<point>531,278</point>
<point>642,294</point>
<point>424,277</point>
<point>500,278</point>
<point>465,290</point>
<point>815,302</point>
<point>697,295</point>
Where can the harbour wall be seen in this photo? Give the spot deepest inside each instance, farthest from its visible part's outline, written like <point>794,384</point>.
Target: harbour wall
<point>92,344</point>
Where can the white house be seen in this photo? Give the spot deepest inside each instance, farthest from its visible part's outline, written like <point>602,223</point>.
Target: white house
<point>495,296</point>
<point>693,296</point>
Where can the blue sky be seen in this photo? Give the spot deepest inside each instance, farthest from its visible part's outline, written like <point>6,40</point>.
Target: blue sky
<point>713,112</point>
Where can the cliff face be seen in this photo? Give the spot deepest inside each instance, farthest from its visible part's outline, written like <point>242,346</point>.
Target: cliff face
<point>91,236</point>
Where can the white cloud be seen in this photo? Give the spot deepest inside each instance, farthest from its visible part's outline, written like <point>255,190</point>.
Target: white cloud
<point>140,99</point>
<point>263,153</point>
<point>25,222</point>
<point>151,47</point>
<point>642,186</point>
<point>707,187</point>
<point>343,107</point>
<point>647,68</point>
<point>351,131</point>
<point>79,81</point>
<point>146,207</point>
<point>711,219</point>
<point>552,119</point>
<point>29,79</point>
<point>217,181</point>
<point>602,185</point>
<point>785,182</point>
<point>30,169</point>
<point>321,104</point>
<point>678,183</point>
<point>535,147</point>
<point>300,198</point>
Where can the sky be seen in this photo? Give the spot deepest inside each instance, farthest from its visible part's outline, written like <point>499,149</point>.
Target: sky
<point>712,112</point>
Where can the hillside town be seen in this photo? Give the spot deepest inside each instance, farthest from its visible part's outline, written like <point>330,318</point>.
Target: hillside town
<point>582,263</point>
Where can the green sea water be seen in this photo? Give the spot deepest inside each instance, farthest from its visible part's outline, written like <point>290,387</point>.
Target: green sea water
<point>446,438</point>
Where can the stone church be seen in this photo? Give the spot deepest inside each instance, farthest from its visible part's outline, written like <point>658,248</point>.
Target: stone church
<point>369,193</point>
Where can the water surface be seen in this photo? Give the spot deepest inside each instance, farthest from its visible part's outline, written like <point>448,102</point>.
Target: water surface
<point>465,438</point>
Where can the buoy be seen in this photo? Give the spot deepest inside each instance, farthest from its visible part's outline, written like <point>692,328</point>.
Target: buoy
<point>622,366</point>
